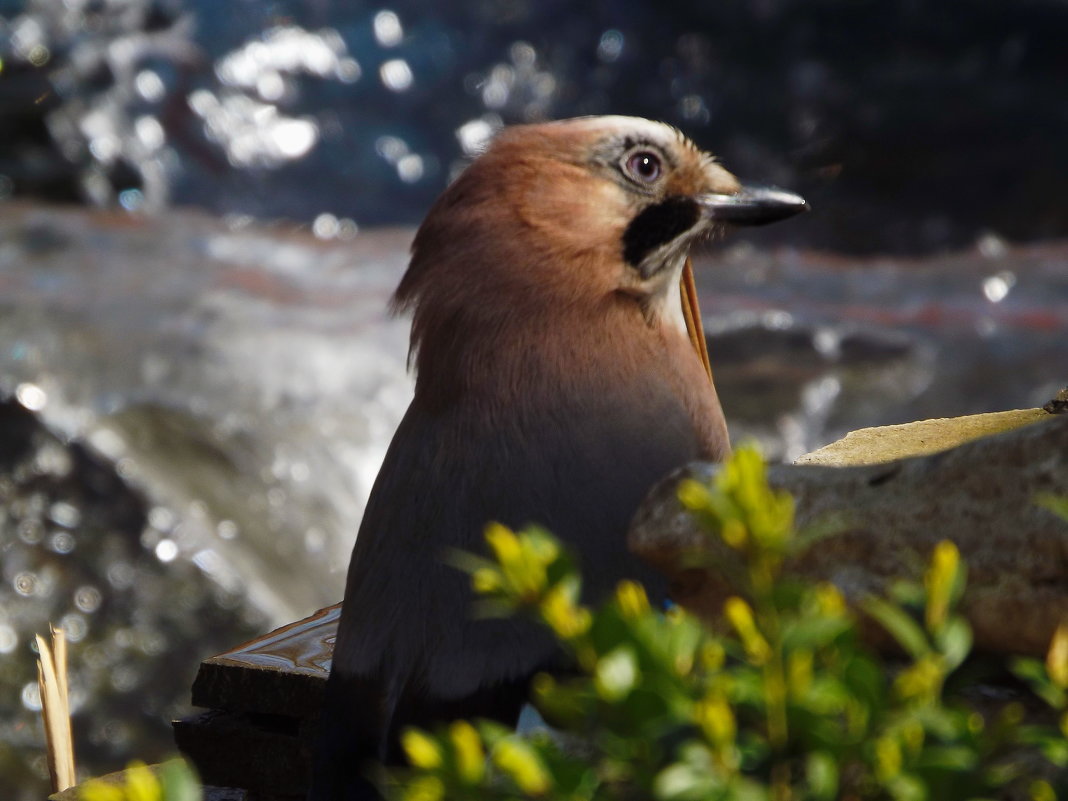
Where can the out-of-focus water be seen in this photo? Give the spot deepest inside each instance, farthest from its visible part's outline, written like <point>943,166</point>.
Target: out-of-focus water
<point>197,412</point>
<point>911,127</point>
<point>83,548</point>
<point>193,406</point>
<point>808,346</point>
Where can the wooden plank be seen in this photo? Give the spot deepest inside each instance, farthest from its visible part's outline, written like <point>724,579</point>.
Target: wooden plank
<point>281,673</point>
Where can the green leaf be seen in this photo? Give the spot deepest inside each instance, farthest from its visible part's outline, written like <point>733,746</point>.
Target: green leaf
<point>677,781</point>
<point>826,696</point>
<point>865,679</point>
<point>1034,673</point>
<point>493,732</point>
<point>955,641</point>
<point>1058,504</point>
<point>1055,749</point>
<point>908,593</point>
<point>827,525</point>
<point>466,561</point>
<point>1028,669</point>
<point>609,630</point>
<point>562,703</point>
<point>906,631</point>
<point>821,773</point>
<point>814,632</point>
<point>958,758</point>
<point>905,787</point>
<point>682,782</point>
<point>179,781</point>
<point>616,673</point>
<point>651,706</point>
<point>943,722</point>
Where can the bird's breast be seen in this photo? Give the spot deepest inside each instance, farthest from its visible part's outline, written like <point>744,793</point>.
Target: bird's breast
<point>610,370</point>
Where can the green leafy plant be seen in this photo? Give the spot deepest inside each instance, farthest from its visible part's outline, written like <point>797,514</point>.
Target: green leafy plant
<point>170,781</point>
<point>783,702</point>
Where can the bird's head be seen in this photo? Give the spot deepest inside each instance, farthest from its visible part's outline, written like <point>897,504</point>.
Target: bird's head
<point>639,190</point>
<point>571,214</point>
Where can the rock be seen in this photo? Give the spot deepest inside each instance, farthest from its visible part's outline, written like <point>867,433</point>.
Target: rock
<point>1059,404</point>
<point>981,495</point>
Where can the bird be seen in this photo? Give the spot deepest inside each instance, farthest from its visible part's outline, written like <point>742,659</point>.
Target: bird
<point>558,376</point>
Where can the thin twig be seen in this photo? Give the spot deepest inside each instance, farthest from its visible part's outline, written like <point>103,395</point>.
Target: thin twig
<point>691,313</point>
<point>55,708</point>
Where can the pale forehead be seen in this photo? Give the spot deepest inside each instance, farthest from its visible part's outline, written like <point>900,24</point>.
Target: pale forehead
<point>640,127</point>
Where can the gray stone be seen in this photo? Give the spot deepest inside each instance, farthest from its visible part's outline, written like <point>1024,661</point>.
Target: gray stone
<point>981,495</point>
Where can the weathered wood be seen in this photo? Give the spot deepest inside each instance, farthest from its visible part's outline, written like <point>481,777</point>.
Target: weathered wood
<point>263,700</point>
<point>281,673</point>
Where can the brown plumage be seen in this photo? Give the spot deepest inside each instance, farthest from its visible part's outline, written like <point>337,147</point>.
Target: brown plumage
<point>555,383</point>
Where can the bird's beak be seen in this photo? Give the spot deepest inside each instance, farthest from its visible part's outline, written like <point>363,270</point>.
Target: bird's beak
<point>753,205</point>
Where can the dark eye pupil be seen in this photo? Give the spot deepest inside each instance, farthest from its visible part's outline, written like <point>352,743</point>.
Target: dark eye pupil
<point>644,166</point>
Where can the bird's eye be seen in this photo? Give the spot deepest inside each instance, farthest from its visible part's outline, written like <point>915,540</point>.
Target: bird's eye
<point>644,166</point>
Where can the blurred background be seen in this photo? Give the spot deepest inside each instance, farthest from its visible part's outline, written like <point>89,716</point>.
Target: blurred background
<point>912,126</point>
<point>204,207</point>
